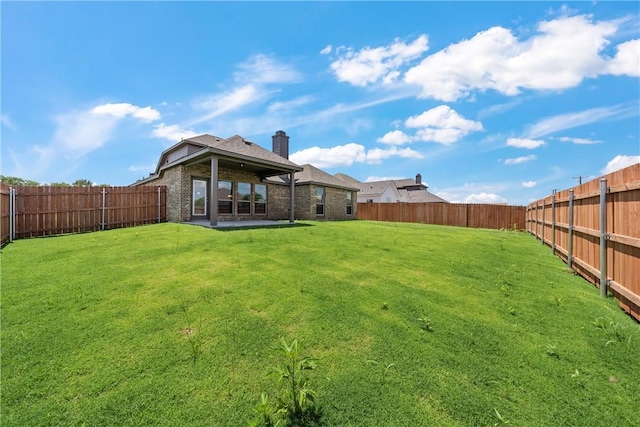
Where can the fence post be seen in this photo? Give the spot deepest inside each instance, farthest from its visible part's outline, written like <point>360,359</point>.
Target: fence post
<point>553,222</point>
<point>12,214</point>
<point>570,237</point>
<point>603,237</point>
<point>543,224</point>
<point>159,208</point>
<point>536,233</point>
<point>104,198</point>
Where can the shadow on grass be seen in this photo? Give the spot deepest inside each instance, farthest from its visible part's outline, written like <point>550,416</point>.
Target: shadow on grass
<point>260,227</point>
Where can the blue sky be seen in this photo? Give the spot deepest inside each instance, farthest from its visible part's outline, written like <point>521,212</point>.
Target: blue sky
<point>490,102</point>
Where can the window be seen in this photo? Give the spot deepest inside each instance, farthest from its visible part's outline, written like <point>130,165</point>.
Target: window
<point>349,203</point>
<point>260,199</point>
<point>244,198</point>
<point>199,197</point>
<point>225,197</point>
<point>320,201</point>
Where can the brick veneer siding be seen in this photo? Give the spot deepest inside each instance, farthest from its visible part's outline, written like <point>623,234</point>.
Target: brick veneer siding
<point>335,203</point>
<point>278,201</point>
<point>178,182</point>
<point>171,178</point>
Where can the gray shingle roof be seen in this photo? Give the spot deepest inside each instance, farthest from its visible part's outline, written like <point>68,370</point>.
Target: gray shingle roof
<point>312,175</point>
<point>238,145</point>
<point>420,196</point>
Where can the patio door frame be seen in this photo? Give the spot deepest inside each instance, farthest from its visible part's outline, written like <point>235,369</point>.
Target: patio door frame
<point>207,196</point>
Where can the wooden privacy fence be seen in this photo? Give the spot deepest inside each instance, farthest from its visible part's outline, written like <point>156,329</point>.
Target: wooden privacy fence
<point>46,211</point>
<point>595,229</point>
<point>455,214</point>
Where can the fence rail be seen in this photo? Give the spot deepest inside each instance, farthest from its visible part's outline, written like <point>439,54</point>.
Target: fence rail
<point>595,229</point>
<point>454,214</point>
<point>45,211</point>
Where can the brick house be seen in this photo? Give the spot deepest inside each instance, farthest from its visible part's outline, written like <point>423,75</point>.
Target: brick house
<point>247,181</point>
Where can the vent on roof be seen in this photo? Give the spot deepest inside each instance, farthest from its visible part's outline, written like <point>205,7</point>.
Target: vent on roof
<point>247,142</point>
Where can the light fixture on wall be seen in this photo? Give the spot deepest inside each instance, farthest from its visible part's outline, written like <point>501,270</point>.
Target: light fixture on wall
<point>241,165</point>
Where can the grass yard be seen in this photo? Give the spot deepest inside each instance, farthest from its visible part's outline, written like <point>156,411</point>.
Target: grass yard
<point>410,325</point>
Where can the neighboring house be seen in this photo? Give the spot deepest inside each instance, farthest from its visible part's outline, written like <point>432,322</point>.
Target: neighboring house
<point>392,190</point>
<point>215,179</point>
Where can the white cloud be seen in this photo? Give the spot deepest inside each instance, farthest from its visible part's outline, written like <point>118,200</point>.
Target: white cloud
<point>560,122</point>
<point>346,155</point>
<point>441,124</point>
<point>254,83</point>
<point>340,155</point>
<point>7,122</point>
<point>374,178</point>
<point>263,69</point>
<point>173,133</point>
<point>582,141</point>
<point>327,50</point>
<point>377,155</point>
<point>225,102</point>
<point>560,55</point>
<point>371,65</point>
<point>81,132</point>
<point>485,198</point>
<point>395,137</point>
<point>122,110</point>
<point>529,184</point>
<point>519,160</point>
<point>627,59</point>
<point>290,104</point>
<point>619,162</point>
<point>524,143</point>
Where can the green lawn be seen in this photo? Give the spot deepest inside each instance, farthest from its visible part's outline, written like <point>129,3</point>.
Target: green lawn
<point>178,325</point>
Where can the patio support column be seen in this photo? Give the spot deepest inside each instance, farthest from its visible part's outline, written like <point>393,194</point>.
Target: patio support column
<point>213,193</point>
<point>292,203</point>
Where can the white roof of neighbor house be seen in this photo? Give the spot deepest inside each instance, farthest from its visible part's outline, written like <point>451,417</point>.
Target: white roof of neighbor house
<point>408,189</point>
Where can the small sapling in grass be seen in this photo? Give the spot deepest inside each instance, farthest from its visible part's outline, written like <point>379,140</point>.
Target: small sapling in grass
<point>385,306</point>
<point>505,290</point>
<point>558,300</point>
<point>266,414</point>
<point>613,331</point>
<point>297,405</point>
<point>512,311</point>
<point>425,322</point>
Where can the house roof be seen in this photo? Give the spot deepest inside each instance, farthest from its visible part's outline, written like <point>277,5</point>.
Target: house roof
<point>312,175</point>
<point>234,152</point>
<point>407,189</point>
<point>237,146</point>
<point>420,196</point>
<point>348,179</point>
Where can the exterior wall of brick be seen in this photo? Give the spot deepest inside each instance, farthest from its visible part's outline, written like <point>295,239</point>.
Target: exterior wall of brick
<point>179,192</point>
<point>172,179</point>
<point>278,201</point>
<point>335,203</point>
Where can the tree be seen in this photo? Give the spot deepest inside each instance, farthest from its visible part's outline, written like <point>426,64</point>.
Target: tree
<point>60,184</point>
<point>18,182</point>
<point>82,183</point>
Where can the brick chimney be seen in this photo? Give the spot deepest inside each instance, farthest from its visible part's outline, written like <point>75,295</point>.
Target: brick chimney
<point>281,144</point>
<point>418,179</point>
